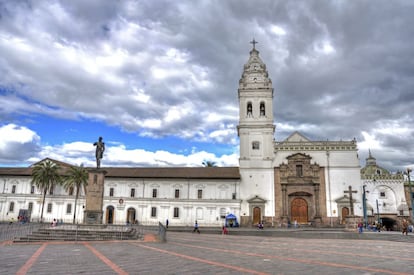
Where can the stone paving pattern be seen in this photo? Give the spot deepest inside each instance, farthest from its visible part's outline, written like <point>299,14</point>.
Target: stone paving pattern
<point>190,253</point>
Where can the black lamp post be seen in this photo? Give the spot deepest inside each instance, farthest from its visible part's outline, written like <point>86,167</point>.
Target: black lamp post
<point>364,206</point>
<point>411,193</point>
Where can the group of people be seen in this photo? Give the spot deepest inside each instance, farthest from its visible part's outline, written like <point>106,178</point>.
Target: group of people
<point>405,227</point>
<point>23,219</point>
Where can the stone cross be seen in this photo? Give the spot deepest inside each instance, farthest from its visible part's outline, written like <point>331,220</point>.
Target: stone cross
<point>351,202</point>
<point>254,42</point>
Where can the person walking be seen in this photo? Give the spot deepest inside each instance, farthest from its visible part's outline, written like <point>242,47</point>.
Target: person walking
<point>196,228</point>
<point>360,226</point>
<point>405,227</point>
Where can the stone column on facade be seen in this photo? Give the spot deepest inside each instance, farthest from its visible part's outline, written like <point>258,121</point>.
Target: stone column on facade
<point>284,203</point>
<point>93,213</point>
<point>317,207</point>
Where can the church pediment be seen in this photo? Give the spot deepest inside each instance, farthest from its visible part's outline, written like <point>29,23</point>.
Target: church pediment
<point>60,163</point>
<point>298,156</point>
<point>299,169</point>
<point>256,200</point>
<point>343,200</point>
<point>297,137</point>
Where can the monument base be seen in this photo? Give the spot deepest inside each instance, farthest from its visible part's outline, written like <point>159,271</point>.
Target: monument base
<point>351,222</point>
<point>92,217</point>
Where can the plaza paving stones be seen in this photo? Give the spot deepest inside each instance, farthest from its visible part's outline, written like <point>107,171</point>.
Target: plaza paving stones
<point>187,253</point>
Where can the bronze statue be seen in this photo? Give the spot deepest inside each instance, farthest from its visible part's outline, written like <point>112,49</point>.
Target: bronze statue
<point>100,148</point>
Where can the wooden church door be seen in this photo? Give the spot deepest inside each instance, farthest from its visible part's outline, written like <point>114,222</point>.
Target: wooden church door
<point>256,215</point>
<point>345,213</point>
<point>299,211</point>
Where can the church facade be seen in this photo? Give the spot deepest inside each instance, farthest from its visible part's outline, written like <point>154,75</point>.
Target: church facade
<point>316,183</point>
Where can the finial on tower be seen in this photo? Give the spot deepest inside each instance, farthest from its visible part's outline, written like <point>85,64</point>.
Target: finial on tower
<point>254,42</point>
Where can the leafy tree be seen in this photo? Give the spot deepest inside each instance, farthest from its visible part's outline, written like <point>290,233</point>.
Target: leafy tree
<point>45,175</point>
<point>76,178</point>
<point>209,163</point>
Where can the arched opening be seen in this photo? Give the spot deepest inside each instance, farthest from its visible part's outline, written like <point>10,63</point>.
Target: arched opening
<point>299,211</point>
<point>131,215</point>
<point>389,224</point>
<point>262,109</point>
<point>249,109</point>
<point>110,214</point>
<point>257,215</point>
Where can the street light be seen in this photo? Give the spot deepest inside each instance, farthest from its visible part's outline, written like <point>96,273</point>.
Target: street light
<point>378,213</point>
<point>411,193</point>
<point>364,205</point>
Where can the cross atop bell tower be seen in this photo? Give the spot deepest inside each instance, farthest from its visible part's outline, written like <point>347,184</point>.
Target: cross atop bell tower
<point>254,42</point>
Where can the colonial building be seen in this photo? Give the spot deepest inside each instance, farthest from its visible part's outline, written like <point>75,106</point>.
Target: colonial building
<point>277,182</point>
<point>385,198</point>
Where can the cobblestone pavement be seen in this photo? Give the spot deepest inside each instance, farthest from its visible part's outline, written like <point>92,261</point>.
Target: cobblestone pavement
<point>188,253</point>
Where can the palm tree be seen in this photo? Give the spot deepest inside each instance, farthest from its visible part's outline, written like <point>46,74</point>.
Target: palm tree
<point>77,177</point>
<point>209,163</point>
<point>45,175</point>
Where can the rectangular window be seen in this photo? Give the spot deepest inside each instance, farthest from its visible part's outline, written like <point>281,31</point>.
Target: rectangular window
<point>32,189</point>
<point>154,193</point>
<point>153,212</point>
<point>71,191</point>
<point>233,196</point>
<point>132,192</point>
<point>199,194</point>
<point>13,189</point>
<point>223,213</point>
<point>30,208</point>
<point>255,145</point>
<point>68,208</point>
<point>299,170</point>
<point>111,192</point>
<point>177,193</point>
<point>11,206</point>
<point>51,190</point>
<point>382,194</point>
<point>176,212</point>
<point>49,208</point>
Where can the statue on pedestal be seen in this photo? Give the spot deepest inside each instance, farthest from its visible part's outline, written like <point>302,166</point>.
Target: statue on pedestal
<point>100,148</point>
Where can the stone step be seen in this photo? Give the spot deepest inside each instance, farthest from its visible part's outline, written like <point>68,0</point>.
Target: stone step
<point>54,234</point>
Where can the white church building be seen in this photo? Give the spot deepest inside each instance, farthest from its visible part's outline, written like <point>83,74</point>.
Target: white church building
<point>317,183</point>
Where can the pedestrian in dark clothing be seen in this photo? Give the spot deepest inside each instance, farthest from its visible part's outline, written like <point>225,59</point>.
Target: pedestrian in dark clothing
<point>360,227</point>
<point>196,228</point>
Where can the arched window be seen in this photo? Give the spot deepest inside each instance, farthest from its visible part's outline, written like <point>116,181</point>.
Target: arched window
<point>249,109</point>
<point>262,109</point>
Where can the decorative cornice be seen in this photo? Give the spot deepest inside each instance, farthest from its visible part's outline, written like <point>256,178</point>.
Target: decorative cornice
<point>316,146</point>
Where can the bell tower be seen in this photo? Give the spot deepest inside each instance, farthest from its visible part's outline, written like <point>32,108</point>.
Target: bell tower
<point>256,128</point>
<point>256,135</point>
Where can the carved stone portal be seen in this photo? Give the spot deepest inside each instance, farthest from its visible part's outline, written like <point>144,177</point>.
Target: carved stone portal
<point>301,191</point>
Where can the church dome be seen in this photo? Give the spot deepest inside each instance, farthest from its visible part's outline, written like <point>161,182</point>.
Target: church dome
<point>255,75</point>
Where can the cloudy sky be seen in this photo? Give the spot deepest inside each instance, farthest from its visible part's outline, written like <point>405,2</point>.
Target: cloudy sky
<point>158,79</point>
